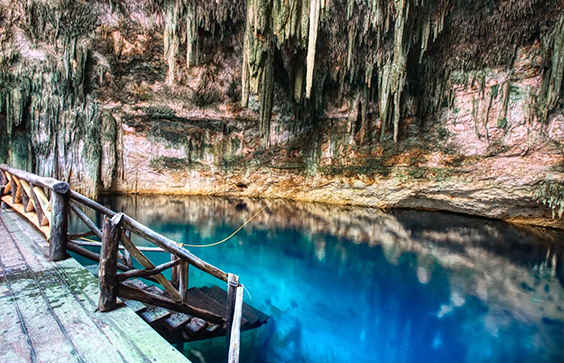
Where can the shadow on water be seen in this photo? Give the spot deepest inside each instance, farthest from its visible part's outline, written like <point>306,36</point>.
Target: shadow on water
<point>348,284</point>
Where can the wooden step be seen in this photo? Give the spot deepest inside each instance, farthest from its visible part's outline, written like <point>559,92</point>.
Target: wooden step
<point>200,300</point>
<point>136,283</point>
<point>253,316</point>
<point>195,326</point>
<point>176,321</point>
<point>155,315</point>
<point>157,291</point>
<point>136,306</point>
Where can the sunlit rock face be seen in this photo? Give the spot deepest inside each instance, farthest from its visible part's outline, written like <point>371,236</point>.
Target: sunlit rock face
<point>449,105</point>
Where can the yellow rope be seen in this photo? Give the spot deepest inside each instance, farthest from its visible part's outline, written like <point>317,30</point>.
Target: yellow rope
<point>224,240</point>
<point>89,240</point>
<point>208,245</point>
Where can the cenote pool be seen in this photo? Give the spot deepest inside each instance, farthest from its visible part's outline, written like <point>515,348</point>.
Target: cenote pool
<point>347,284</point>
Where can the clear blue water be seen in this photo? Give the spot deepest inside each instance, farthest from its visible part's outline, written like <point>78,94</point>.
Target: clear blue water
<point>357,285</point>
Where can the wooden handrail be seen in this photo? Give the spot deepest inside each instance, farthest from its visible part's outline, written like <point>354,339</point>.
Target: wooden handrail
<point>172,247</point>
<point>152,236</point>
<point>27,189</point>
<point>50,183</point>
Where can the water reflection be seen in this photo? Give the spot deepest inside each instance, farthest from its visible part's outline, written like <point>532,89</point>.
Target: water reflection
<point>355,284</point>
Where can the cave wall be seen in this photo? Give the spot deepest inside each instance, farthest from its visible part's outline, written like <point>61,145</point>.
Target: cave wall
<point>451,105</point>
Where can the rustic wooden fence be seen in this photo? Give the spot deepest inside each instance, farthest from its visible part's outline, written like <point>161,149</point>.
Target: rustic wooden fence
<point>47,203</point>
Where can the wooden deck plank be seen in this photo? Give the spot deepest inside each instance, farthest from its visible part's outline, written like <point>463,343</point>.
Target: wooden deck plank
<point>32,215</point>
<point>71,314</point>
<point>42,328</point>
<point>112,337</point>
<point>14,345</point>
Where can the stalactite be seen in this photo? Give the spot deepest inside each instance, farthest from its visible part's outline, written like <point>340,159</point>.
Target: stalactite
<point>192,38</point>
<point>298,82</point>
<point>170,36</point>
<point>555,79</point>
<point>401,49</point>
<point>315,9</point>
<point>266,89</point>
<point>385,90</point>
<point>502,116</point>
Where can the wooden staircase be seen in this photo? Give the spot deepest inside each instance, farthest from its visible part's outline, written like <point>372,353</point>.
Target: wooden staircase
<point>47,203</point>
<point>177,327</point>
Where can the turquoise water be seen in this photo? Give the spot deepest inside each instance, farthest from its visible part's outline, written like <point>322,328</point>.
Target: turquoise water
<point>357,285</point>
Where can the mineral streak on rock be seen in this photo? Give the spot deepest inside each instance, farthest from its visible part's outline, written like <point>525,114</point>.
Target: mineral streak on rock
<point>450,104</point>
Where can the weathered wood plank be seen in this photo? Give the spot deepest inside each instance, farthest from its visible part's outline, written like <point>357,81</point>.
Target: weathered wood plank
<point>126,254</point>
<point>84,218</point>
<point>252,315</point>
<point>129,292</point>
<point>183,281</point>
<point>99,244</point>
<point>172,247</point>
<point>53,184</point>
<point>6,188</point>
<point>19,208</point>
<point>41,219</point>
<point>176,321</point>
<point>16,189</point>
<point>41,326</point>
<point>59,226</point>
<point>44,202</point>
<point>26,197</point>
<point>174,272</point>
<point>232,283</point>
<point>81,235</point>
<point>145,262</point>
<point>14,347</point>
<point>195,327</point>
<point>145,273</point>
<point>69,312</point>
<point>235,339</point>
<point>135,340</point>
<point>108,263</point>
<point>73,247</point>
<point>154,315</point>
<point>200,300</point>
<point>151,236</point>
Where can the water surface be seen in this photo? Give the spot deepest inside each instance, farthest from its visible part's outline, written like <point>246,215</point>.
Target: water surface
<point>345,284</point>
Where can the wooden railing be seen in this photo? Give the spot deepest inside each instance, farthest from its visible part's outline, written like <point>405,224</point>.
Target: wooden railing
<point>47,203</point>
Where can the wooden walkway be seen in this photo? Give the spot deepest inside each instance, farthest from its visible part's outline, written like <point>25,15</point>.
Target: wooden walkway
<point>48,310</point>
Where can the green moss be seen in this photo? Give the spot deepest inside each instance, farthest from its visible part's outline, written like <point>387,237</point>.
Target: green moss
<point>494,90</point>
<point>160,111</point>
<point>551,194</point>
<point>417,173</point>
<point>502,122</point>
<point>164,162</point>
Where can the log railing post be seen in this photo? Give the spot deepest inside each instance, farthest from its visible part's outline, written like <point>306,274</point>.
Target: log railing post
<point>59,225</point>
<point>3,182</point>
<point>232,283</point>
<point>126,254</point>
<point>174,273</point>
<point>108,262</point>
<point>235,336</point>
<point>183,281</point>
